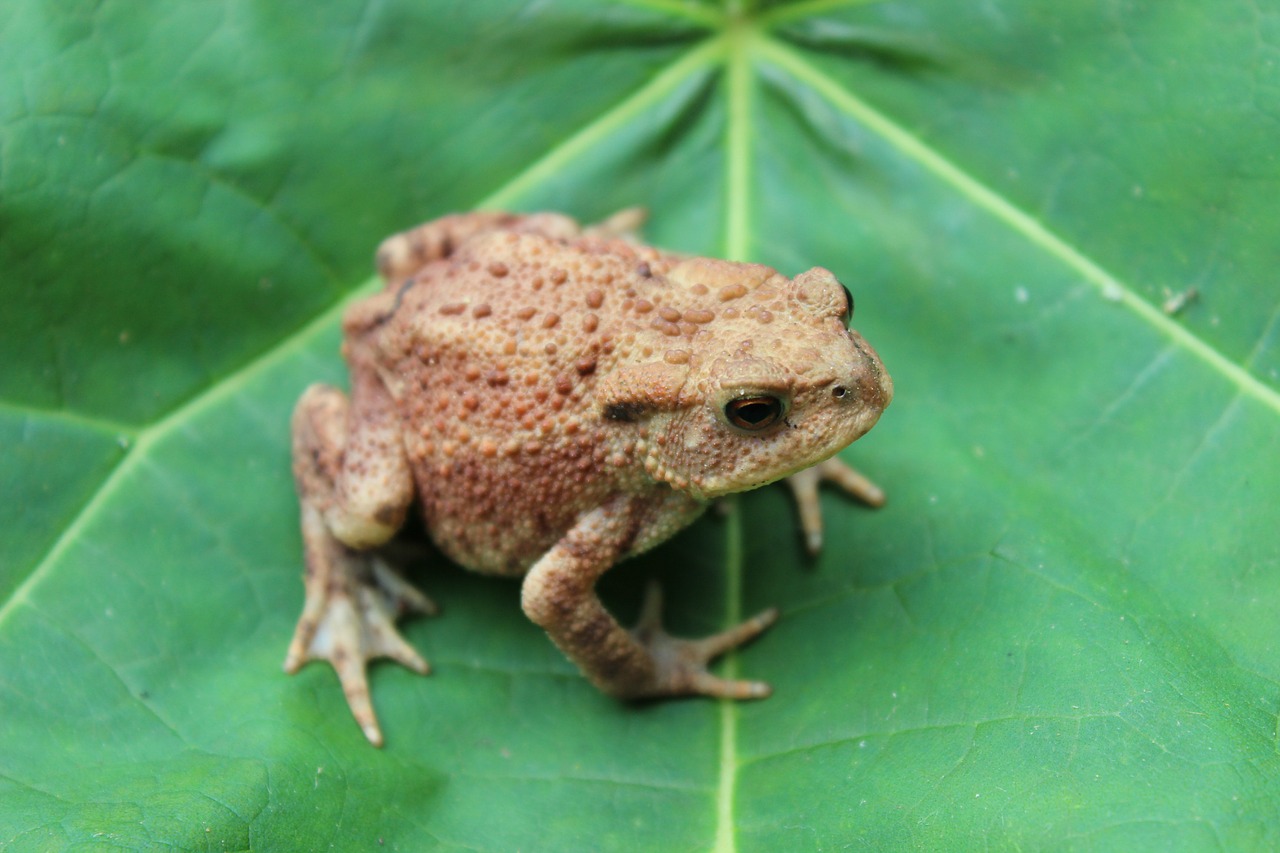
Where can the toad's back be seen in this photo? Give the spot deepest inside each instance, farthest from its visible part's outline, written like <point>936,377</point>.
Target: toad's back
<point>493,354</point>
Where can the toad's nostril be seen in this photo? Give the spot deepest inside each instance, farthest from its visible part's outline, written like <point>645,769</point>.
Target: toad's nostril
<point>839,392</point>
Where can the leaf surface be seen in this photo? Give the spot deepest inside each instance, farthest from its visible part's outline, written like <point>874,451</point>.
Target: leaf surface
<point>1059,633</point>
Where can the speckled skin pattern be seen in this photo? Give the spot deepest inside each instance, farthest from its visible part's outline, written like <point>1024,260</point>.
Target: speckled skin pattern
<point>556,399</point>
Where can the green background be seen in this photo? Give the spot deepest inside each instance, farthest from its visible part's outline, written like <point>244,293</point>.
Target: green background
<point>1059,634</point>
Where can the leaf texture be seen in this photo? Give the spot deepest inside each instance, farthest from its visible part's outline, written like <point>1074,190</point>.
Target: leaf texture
<point>1059,223</point>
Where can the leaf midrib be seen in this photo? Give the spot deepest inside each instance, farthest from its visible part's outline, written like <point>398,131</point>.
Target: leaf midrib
<point>736,246</point>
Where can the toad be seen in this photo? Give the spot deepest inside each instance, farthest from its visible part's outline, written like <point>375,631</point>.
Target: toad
<point>553,399</point>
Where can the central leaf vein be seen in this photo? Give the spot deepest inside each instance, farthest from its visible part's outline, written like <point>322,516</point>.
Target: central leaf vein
<point>736,247</point>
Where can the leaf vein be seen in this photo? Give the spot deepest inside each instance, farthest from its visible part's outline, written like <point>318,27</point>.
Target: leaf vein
<point>726,783</point>
<point>115,429</point>
<point>737,236</point>
<point>809,9</point>
<point>695,12</point>
<point>573,147</point>
<point>802,748</point>
<point>109,667</point>
<point>983,197</point>
<point>217,391</point>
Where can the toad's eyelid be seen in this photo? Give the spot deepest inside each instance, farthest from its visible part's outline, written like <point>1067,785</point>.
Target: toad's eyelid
<point>847,314</point>
<point>755,387</point>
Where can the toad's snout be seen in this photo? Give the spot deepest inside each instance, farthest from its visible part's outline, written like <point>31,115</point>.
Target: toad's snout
<point>867,384</point>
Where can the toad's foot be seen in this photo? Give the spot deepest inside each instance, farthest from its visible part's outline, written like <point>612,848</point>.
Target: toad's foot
<point>352,603</point>
<point>804,486</point>
<point>680,666</point>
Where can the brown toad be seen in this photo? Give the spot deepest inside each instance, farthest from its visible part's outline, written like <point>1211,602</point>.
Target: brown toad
<point>557,399</point>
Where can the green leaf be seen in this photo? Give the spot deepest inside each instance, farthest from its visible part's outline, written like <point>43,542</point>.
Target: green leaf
<point>1060,632</point>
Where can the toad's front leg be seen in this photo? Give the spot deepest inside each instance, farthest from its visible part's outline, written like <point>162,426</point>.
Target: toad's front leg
<point>354,486</point>
<point>559,595</point>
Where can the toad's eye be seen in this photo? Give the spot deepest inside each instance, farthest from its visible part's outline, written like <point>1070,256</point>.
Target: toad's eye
<point>847,314</point>
<point>754,413</point>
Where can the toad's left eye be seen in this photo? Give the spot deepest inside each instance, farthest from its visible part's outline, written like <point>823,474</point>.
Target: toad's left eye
<point>847,314</point>
<point>754,413</point>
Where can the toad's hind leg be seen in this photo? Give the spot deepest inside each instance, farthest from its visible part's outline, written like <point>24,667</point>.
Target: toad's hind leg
<point>354,487</point>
